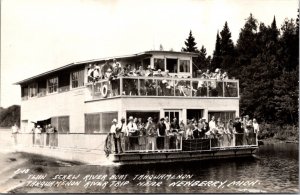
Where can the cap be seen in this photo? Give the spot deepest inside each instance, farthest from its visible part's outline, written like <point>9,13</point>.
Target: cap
<point>114,120</point>
<point>130,118</point>
<point>150,118</point>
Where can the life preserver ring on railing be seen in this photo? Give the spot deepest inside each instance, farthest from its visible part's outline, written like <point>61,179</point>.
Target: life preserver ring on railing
<point>104,91</point>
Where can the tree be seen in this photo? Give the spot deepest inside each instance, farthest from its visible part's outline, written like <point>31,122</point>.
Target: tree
<point>190,44</point>
<point>246,43</point>
<point>226,49</point>
<point>201,62</point>
<point>161,48</point>
<point>216,59</point>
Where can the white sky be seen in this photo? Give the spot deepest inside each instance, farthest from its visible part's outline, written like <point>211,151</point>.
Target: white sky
<point>40,35</point>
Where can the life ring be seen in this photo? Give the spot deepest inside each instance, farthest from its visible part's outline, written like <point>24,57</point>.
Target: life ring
<point>104,90</point>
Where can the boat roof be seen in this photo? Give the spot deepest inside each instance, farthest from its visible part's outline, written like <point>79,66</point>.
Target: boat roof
<point>74,64</point>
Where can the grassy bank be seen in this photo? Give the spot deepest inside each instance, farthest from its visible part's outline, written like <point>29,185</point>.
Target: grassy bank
<point>276,133</point>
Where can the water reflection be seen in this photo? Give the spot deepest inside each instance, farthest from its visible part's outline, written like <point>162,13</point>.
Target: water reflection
<point>276,168</point>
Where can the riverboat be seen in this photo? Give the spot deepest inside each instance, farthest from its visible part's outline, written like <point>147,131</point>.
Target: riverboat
<point>81,110</point>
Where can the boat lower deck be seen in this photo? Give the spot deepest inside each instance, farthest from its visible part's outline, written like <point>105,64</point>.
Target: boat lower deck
<point>175,156</point>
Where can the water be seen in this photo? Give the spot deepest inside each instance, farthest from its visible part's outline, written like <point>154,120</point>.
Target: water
<point>275,170</point>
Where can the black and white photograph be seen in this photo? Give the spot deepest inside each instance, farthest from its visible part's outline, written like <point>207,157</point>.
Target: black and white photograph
<point>149,96</point>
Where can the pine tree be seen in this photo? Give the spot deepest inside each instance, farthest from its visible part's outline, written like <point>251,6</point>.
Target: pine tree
<point>226,44</point>
<point>246,43</point>
<point>227,49</point>
<point>216,59</point>
<point>190,44</point>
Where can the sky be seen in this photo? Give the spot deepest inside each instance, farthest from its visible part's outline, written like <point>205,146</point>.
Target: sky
<point>40,35</point>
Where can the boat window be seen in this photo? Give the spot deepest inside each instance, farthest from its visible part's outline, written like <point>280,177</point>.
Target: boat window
<point>77,78</point>
<point>159,64</point>
<point>92,123</point>
<point>172,114</point>
<point>61,124</point>
<point>33,88</point>
<point>42,88</point>
<point>144,115</point>
<point>224,115</point>
<point>99,122</point>
<point>230,89</point>
<point>146,63</point>
<point>64,81</point>
<point>172,65</point>
<point>52,85</point>
<point>24,92</point>
<point>184,66</point>
<point>105,121</point>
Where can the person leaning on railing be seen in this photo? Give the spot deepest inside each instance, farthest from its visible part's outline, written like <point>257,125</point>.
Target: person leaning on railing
<point>132,131</point>
<point>119,136</point>
<point>237,126</point>
<point>151,134</point>
<point>161,133</point>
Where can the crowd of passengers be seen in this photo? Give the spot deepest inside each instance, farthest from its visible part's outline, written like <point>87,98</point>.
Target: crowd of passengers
<point>107,71</point>
<point>136,135</point>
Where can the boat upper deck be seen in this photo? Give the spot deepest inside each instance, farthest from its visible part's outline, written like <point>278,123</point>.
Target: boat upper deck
<point>163,87</point>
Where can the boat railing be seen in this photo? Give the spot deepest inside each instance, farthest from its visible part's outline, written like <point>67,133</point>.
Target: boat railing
<point>180,143</point>
<point>163,87</point>
<point>137,144</point>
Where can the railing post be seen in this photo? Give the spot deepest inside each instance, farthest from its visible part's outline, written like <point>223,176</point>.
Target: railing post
<point>121,86</point>
<point>223,89</point>
<point>139,87</point>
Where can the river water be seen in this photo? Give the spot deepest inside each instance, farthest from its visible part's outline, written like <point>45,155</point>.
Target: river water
<point>274,170</point>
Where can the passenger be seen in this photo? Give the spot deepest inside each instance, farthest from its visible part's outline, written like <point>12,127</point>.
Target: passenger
<point>208,74</point>
<point>251,136</point>
<point>166,74</point>
<point>114,81</point>
<point>90,73</point>
<point>246,130</point>
<point>97,67</point>
<point>116,64</point>
<point>224,76</point>
<point>140,71</point>
<point>237,126</point>
<point>189,133</point>
<point>221,138</point>
<point>37,132</point>
<point>149,72</point>
<point>161,132</point>
<point>142,134</point>
<point>200,127</point>
<point>151,134</point>
<point>174,139</point>
<point>14,132</point>
<point>158,74</point>
<point>131,133</point>
<point>167,123</point>
<point>51,134</point>
<point>121,129</point>
<point>96,73</point>
<point>113,134</point>
<point>256,129</point>
<point>108,73</point>
<point>229,133</point>
<point>212,123</point>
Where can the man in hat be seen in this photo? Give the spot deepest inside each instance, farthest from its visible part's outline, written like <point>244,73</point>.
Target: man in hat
<point>119,135</point>
<point>161,132</point>
<point>237,127</point>
<point>149,72</point>
<point>14,132</point>
<point>131,129</point>
<point>159,74</point>
<point>113,133</point>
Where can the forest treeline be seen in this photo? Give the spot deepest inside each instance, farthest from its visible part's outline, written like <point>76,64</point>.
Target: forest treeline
<point>265,59</point>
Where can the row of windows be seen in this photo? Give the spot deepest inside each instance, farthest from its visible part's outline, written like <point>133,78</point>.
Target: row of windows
<point>55,84</point>
<point>172,65</point>
<point>101,122</point>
